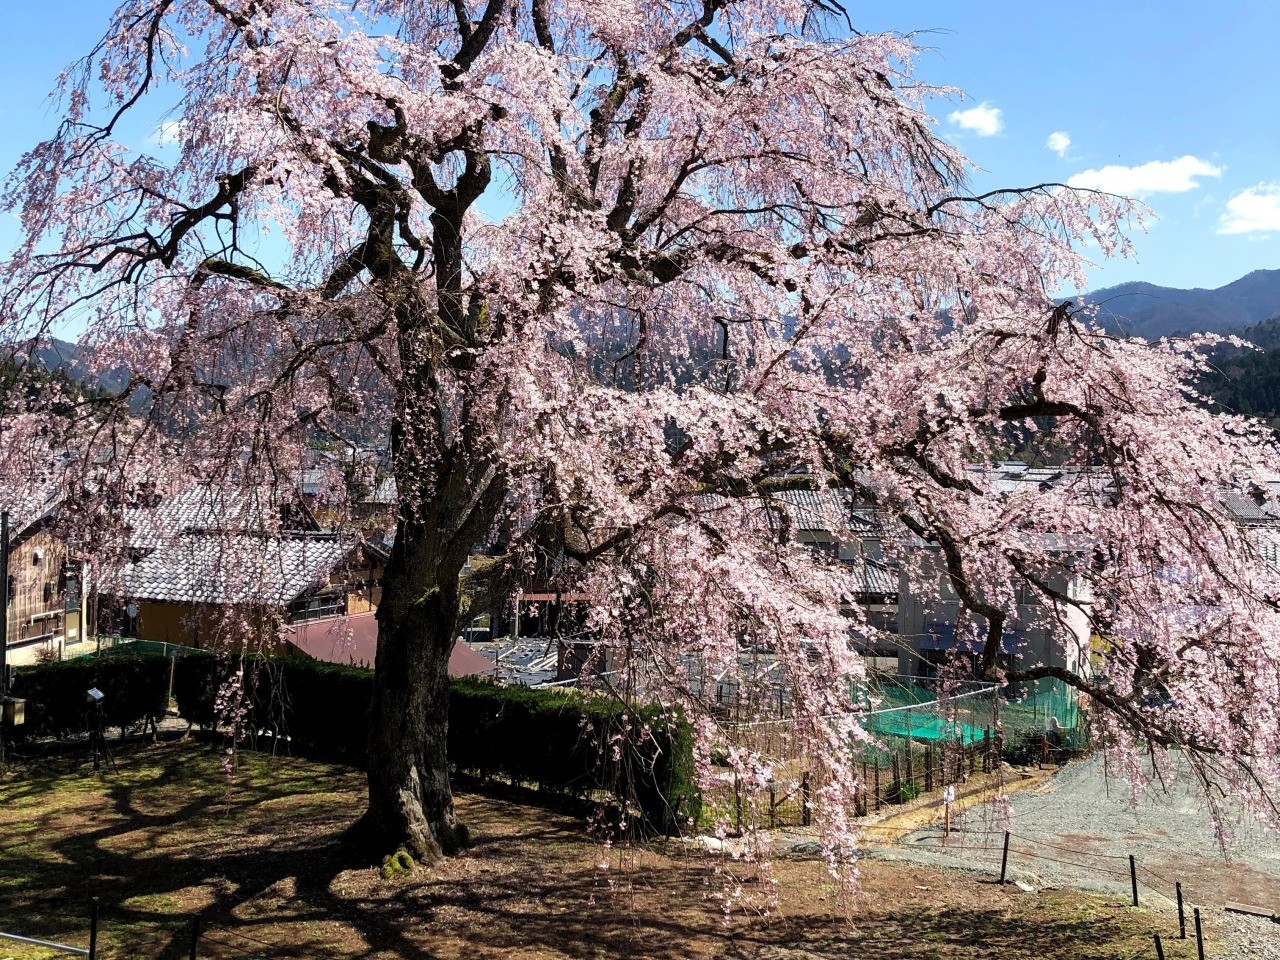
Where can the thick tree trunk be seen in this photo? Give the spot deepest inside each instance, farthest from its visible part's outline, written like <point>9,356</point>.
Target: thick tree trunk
<point>450,488</point>
<point>410,802</point>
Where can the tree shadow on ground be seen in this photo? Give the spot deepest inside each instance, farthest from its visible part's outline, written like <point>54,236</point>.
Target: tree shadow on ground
<point>264,858</point>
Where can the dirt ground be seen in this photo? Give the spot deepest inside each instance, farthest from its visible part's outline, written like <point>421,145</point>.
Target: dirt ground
<point>261,857</point>
<point>1078,826</point>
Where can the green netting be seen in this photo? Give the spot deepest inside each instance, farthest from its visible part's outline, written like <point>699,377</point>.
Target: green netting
<point>1046,704</point>
<point>903,708</point>
<point>149,646</point>
<point>106,645</point>
<point>928,726</point>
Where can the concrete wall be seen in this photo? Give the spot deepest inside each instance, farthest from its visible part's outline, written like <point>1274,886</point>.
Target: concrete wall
<point>1051,642</point>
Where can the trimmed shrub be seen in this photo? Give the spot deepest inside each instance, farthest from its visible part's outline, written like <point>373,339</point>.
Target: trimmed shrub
<point>136,689</point>
<point>567,743</point>
<point>559,741</point>
<point>197,678</point>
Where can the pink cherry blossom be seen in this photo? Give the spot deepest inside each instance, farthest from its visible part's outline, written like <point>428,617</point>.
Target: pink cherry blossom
<point>735,259</point>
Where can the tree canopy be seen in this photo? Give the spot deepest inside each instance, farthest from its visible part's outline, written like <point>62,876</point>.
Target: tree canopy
<point>609,276</point>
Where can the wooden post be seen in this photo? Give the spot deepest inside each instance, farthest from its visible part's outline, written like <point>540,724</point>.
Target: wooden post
<point>773,804</point>
<point>1133,878</point>
<point>804,796</point>
<point>877,785</point>
<point>195,935</point>
<point>1159,948</point>
<point>928,767</point>
<point>1182,916</point>
<point>737,803</point>
<point>1004,858</point>
<point>910,767</point>
<point>173,667</point>
<point>93,929</point>
<point>1199,934</point>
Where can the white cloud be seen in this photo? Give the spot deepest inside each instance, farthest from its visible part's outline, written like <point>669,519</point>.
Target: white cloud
<point>1158,176</point>
<point>984,119</point>
<point>1255,210</point>
<point>1058,142</point>
<point>169,132</point>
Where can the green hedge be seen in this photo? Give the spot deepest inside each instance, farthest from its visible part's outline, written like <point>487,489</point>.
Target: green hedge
<point>568,743</point>
<point>136,689</point>
<point>560,741</point>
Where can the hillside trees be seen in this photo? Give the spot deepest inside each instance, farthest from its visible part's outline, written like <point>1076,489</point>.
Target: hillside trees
<point>735,258</point>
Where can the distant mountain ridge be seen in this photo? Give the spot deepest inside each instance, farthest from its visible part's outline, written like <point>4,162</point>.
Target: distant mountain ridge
<point>1146,310</point>
<point>1136,309</point>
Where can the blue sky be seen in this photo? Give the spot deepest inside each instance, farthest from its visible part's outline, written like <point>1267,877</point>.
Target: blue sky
<point>1177,101</point>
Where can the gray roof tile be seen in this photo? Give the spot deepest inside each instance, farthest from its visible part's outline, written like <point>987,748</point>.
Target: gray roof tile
<point>232,568</point>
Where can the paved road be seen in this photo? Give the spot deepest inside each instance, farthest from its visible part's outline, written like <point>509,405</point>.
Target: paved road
<point>1080,827</point>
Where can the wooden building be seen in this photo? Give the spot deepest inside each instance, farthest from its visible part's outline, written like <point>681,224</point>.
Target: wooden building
<point>210,567</point>
<point>45,614</point>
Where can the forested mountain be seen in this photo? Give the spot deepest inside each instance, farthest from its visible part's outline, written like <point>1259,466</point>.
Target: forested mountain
<point>1150,311</point>
<point>1247,380</point>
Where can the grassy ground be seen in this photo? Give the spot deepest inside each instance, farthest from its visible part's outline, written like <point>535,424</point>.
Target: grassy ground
<point>260,856</point>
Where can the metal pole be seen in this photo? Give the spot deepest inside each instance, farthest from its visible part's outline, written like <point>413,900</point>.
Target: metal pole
<point>1182,914</point>
<point>50,944</point>
<point>1004,858</point>
<point>93,930</point>
<point>1159,948</point>
<point>1199,935</point>
<point>195,935</point>
<point>1133,877</point>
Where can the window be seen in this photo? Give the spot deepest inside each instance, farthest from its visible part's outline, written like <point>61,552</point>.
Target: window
<point>315,608</point>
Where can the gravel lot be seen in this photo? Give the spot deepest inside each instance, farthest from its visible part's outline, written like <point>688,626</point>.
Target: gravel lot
<point>1079,830</point>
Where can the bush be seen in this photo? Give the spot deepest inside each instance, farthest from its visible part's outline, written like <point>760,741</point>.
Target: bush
<point>136,689</point>
<point>560,741</point>
<point>575,745</point>
<point>907,791</point>
<point>197,677</point>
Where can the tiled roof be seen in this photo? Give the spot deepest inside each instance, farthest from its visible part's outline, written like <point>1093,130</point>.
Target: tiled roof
<point>202,509</point>
<point>1013,476</point>
<point>811,510</point>
<point>232,568</point>
<point>875,578</point>
<point>1257,507</point>
<point>1266,541</point>
<point>28,507</point>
